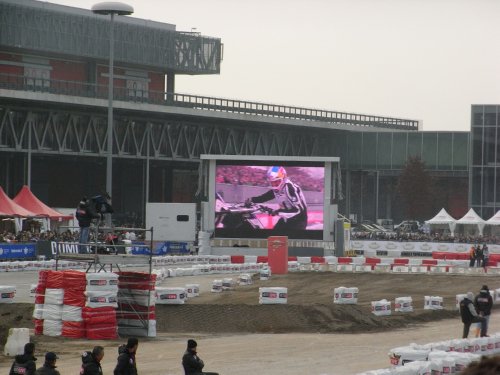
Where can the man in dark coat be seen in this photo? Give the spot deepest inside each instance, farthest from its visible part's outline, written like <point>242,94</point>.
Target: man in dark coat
<point>126,358</point>
<point>91,361</point>
<point>484,303</point>
<point>192,363</point>
<point>469,315</point>
<point>49,367</point>
<point>85,212</point>
<point>24,364</point>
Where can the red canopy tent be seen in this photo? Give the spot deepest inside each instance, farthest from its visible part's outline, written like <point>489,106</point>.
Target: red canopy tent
<point>11,209</point>
<point>26,199</point>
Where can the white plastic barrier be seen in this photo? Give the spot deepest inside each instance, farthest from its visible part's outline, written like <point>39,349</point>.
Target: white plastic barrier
<point>52,312</point>
<point>343,295</point>
<point>265,273</point>
<point>17,338</point>
<point>192,290</point>
<point>228,283</point>
<point>273,295</point>
<point>71,313</point>
<point>38,311</point>
<point>293,266</point>
<point>433,303</point>
<point>216,286</point>
<point>170,296</point>
<point>245,279</point>
<point>101,298</point>
<point>54,296</point>
<point>381,308</point>
<point>52,327</point>
<point>402,355</point>
<point>403,304</point>
<point>7,293</point>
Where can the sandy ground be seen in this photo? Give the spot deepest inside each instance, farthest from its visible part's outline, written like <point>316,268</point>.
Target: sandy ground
<point>320,345</point>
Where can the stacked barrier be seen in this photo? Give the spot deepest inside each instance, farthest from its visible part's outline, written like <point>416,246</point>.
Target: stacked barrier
<point>444,357</point>
<point>100,307</point>
<point>75,284</point>
<point>136,304</point>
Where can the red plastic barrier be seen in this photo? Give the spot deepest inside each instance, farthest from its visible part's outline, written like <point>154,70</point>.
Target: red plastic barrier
<point>74,330</point>
<point>292,259</point>
<point>74,297</point>
<point>38,326</point>
<point>451,256</point>
<point>99,315</point>
<point>344,260</point>
<point>463,256</point>
<point>494,257</point>
<point>238,259</point>
<point>39,296</point>
<point>42,278</point>
<point>320,260</point>
<point>55,279</point>
<point>372,261</point>
<point>401,261</point>
<point>438,255</point>
<point>136,280</point>
<point>74,280</point>
<point>262,259</point>
<point>102,332</point>
<point>429,262</point>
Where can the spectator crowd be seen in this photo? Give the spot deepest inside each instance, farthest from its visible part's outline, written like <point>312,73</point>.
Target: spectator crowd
<point>424,237</point>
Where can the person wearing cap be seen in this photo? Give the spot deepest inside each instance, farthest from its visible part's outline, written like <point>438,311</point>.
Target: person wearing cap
<point>484,303</point>
<point>91,361</point>
<point>192,363</point>
<point>25,363</point>
<point>126,364</point>
<point>49,367</point>
<point>469,315</point>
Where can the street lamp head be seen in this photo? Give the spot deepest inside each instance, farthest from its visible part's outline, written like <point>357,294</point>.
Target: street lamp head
<point>112,7</point>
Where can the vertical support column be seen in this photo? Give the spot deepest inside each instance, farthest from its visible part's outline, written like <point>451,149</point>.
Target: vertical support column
<point>170,87</point>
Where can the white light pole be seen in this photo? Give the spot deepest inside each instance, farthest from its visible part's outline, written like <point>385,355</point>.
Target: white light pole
<point>111,8</point>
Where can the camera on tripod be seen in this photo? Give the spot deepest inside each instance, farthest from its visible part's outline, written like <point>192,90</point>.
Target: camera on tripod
<point>101,204</point>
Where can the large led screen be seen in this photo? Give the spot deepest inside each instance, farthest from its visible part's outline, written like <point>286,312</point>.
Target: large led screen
<point>258,200</point>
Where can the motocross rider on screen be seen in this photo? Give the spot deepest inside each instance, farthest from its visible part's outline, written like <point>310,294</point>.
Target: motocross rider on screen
<point>292,204</point>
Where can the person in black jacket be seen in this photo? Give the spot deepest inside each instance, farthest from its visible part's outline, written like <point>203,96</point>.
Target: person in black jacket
<point>192,363</point>
<point>24,364</point>
<point>49,367</point>
<point>484,303</point>
<point>126,358</point>
<point>91,361</point>
<point>85,212</point>
<point>469,315</point>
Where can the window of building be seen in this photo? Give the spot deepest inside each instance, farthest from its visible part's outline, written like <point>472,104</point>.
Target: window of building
<point>37,77</point>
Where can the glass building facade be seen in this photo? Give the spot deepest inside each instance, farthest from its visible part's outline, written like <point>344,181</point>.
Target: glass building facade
<point>484,171</point>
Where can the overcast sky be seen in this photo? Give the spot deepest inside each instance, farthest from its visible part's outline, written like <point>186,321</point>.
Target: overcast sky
<point>427,60</point>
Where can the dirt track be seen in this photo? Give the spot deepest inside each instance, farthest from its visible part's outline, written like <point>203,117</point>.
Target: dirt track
<point>232,328</point>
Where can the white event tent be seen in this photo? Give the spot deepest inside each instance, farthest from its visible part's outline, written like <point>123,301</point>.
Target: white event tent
<point>443,218</point>
<point>471,218</point>
<point>494,221</point>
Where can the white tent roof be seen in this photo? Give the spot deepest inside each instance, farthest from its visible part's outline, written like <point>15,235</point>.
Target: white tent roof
<point>494,220</point>
<point>471,218</point>
<point>442,217</point>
